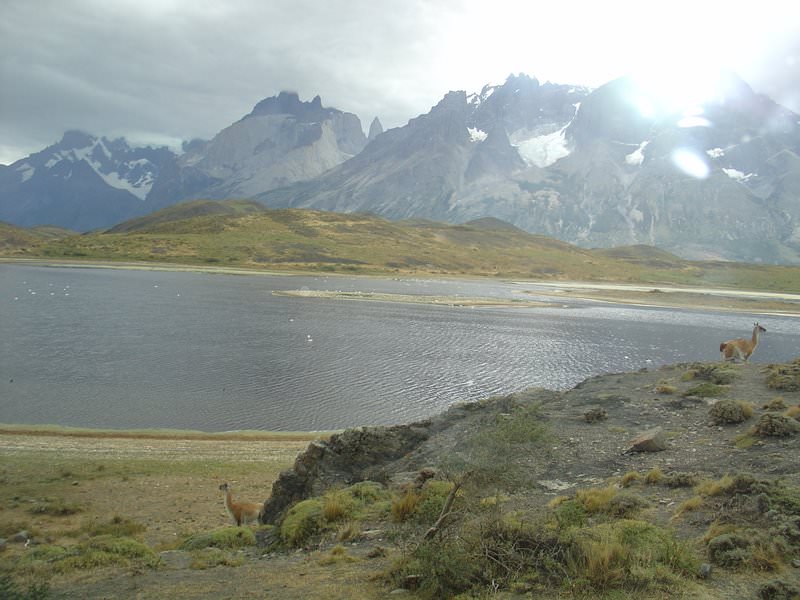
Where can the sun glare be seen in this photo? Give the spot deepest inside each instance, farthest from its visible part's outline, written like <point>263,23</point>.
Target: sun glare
<point>677,89</point>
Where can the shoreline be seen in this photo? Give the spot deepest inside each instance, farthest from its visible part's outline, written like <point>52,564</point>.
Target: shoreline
<point>643,295</point>
<point>250,435</point>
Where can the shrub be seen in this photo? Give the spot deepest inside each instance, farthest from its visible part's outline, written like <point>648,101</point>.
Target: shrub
<point>570,514</point>
<point>654,475</point>
<point>664,387</point>
<point>784,377</point>
<point>608,501</point>
<point>55,507</point>
<point>705,390</point>
<point>772,425</point>
<point>629,478</point>
<point>776,403</point>
<point>404,506</point>
<point>690,504</point>
<point>338,505</point>
<point>368,492</point>
<point>302,521</point>
<point>714,488</point>
<point>100,551</point>
<point>117,526</point>
<point>632,555</point>
<point>230,538</point>
<point>730,411</point>
<point>679,480</point>
<point>716,374</point>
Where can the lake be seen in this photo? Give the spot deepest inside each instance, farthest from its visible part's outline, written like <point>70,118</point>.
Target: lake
<point>115,348</point>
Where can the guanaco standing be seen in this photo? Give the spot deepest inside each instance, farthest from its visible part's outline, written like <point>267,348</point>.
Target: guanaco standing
<point>741,348</point>
<point>242,513</point>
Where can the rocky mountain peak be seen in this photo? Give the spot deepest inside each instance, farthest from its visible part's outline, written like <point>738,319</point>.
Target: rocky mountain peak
<point>289,103</point>
<point>375,129</point>
<point>74,138</point>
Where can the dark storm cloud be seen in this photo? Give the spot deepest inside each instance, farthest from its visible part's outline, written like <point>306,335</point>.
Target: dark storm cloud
<point>162,71</point>
<point>175,70</point>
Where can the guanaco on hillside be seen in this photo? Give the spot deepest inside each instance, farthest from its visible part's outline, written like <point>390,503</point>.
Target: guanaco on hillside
<point>741,348</point>
<point>242,513</point>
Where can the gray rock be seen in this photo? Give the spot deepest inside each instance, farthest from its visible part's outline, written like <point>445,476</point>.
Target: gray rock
<point>652,440</point>
<point>21,537</point>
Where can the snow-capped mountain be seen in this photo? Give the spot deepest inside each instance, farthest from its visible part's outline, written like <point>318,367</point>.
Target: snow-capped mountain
<point>611,166</point>
<point>719,179</point>
<point>82,182</point>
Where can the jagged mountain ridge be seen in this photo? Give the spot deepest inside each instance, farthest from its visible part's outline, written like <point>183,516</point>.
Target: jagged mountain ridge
<point>592,167</point>
<point>282,141</point>
<point>587,167</point>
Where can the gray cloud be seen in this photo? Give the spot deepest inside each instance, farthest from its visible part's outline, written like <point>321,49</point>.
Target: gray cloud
<point>159,71</point>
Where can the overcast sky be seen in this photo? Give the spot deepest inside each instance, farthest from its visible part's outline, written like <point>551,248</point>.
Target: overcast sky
<point>162,71</point>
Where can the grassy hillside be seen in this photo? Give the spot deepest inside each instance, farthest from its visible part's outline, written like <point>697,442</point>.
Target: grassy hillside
<point>245,234</point>
<point>13,238</point>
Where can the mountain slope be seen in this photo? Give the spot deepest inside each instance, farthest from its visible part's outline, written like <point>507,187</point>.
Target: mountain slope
<point>81,183</point>
<point>281,141</point>
<point>593,168</point>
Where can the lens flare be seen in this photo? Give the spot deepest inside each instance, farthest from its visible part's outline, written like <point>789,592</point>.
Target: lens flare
<point>691,163</point>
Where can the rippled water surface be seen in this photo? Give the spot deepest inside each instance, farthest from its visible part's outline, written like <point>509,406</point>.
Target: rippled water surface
<point>140,349</point>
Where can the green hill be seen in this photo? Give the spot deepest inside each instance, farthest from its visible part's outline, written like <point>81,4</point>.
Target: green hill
<point>245,234</point>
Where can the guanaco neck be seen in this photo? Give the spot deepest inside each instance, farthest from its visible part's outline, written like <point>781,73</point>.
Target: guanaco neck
<point>754,340</point>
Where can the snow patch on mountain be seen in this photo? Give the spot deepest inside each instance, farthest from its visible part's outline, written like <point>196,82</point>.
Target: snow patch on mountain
<point>543,150</point>
<point>101,160</point>
<point>476,135</point>
<point>738,175</point>
<point>636,158</point>
<point>26,171</point>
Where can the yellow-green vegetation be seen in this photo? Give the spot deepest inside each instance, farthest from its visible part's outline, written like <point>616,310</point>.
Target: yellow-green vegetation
<point>654,475</point>
<point>629,478</point>
<point>225,537</point>
<point>317,516</point>
<point>526,553</point>
<point>715,373</point>
<point>705,390</point>
<point>777,403</point>
<point>664,387</point>
<point>244,234</point>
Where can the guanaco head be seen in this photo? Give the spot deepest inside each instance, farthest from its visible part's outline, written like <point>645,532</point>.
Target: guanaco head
<point>759,327</point>
<point>224,487</point>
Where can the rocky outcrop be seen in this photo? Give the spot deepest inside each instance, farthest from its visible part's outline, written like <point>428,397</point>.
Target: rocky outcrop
<point>639,422</point>
<point>383,454</point>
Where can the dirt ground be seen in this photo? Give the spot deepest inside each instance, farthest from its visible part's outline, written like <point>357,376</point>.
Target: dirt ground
<point>171,486</point>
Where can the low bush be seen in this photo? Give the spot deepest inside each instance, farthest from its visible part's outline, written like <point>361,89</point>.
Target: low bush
<point>726,411</point>
<point>773,425</point>
<point>230,538</point>
<point>784,377</point>
<point>609,501</point>
<point>117,526</point>
<point>55,507</point>
<point>705,390</point>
